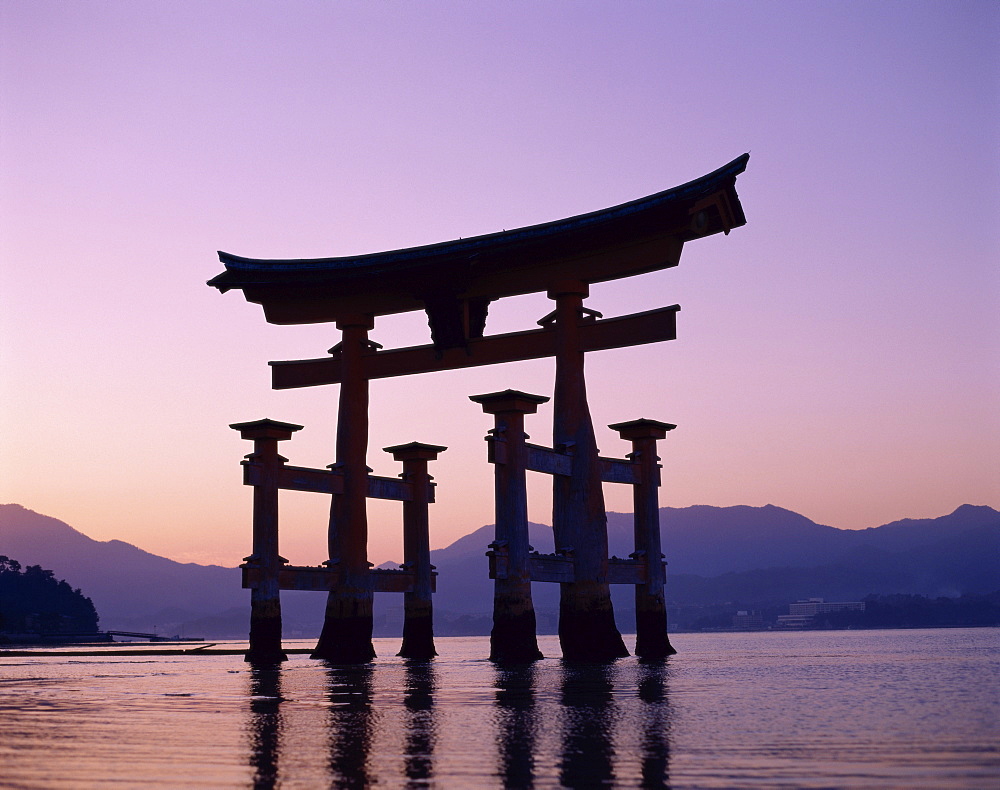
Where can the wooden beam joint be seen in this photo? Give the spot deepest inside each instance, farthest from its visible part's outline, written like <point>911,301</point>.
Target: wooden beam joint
<point>652,326</point>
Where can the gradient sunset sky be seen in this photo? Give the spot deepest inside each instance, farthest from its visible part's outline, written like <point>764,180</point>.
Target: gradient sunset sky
<point>839,355</point>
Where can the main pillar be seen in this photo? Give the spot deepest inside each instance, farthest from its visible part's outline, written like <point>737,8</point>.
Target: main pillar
<point>418,617</point>
<point>263,466</point>
<point>651,640</point>
<point>512,639</point>
<point>347,625</point>
<point>587,630</point>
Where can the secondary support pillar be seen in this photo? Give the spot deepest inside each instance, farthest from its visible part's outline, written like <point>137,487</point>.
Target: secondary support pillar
<point>587,630</point>
<point>347,625</point>
<point>265,598</point>
<point>512,639</point>
<point>651,642</point>
<point>418,613</point>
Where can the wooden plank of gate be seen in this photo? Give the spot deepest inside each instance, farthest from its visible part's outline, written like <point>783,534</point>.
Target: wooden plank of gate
<point>651,326</point>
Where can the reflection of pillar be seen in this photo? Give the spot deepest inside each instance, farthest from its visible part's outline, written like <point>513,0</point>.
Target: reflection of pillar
<point>418,622</point>
<point>265,725</point>
<point>352,726</point>
<point>651,642</point>
<point>265,598</point>
<point>587,630</point>
<point>517,725</point>
<point>588,711</point>
<point>420,731</point>
<point>513,636</point>
<point>655,727</point>
<point>347,625</point>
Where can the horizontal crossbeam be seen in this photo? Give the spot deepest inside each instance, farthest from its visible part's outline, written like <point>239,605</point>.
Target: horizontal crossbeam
<point>323,579</point>
<point>615,470</point>
<point>551,568</point>
<point>551,462</point>
<point>637,329</point>
<point>561,568</point>
<point>331,481</point>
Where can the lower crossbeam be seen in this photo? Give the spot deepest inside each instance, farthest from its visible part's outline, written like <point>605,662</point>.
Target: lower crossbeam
<point>318,578</point>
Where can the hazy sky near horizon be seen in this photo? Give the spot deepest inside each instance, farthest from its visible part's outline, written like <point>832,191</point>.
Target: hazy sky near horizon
<point>839,355</point>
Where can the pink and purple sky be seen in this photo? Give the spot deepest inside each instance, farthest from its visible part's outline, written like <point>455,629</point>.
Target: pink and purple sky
<point>839,355</point>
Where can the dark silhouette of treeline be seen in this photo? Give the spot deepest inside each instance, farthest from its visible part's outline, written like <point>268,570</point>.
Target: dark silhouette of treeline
<point>916,611</point>
<point>881,611</point>
<point>32,600</point>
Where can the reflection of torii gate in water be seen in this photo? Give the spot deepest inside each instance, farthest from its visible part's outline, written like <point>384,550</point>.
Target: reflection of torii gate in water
<point>454,282</point>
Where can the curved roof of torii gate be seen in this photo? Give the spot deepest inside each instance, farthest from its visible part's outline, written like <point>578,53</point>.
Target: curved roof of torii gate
<point>641,236</point>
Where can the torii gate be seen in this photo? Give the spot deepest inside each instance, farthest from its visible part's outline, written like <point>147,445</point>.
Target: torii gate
<point>454,282</point>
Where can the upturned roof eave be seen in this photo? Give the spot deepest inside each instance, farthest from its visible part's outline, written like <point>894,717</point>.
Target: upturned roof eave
<point>244,272</point>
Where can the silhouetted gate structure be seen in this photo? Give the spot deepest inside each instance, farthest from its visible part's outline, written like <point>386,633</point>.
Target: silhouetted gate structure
<point>454,282</point>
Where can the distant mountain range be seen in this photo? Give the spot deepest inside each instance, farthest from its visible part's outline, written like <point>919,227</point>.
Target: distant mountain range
<point>758,557</point>
<point>129,587</point>
<point>747,557</point>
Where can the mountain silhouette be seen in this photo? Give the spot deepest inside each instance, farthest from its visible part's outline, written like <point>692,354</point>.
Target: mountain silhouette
<point>765,556</point>
<point>126,584</point>
<point>753,556</point>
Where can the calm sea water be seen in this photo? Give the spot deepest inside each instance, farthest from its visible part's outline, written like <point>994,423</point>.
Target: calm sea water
<point>845,709</point>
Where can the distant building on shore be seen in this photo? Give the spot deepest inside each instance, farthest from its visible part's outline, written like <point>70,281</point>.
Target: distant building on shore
<point>745,620</point>
<point>802,614</point>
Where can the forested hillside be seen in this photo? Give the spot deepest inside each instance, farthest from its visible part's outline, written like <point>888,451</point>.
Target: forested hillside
<point>32,600</point>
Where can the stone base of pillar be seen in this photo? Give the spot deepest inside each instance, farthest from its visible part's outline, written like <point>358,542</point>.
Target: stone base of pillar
<point>587,630</point>
<point>651,640</point>
<point>513,640</point>
<point>418,631</point>
<point>265,633</point>
<point>347,628</point>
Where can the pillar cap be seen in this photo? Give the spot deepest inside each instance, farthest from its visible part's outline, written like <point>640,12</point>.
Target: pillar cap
<point>365,320</point>
<point>561,287</point>
<point>266,429</point>
<point>415,451</point>
<point>642,429</point>
<point>509,401</point>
